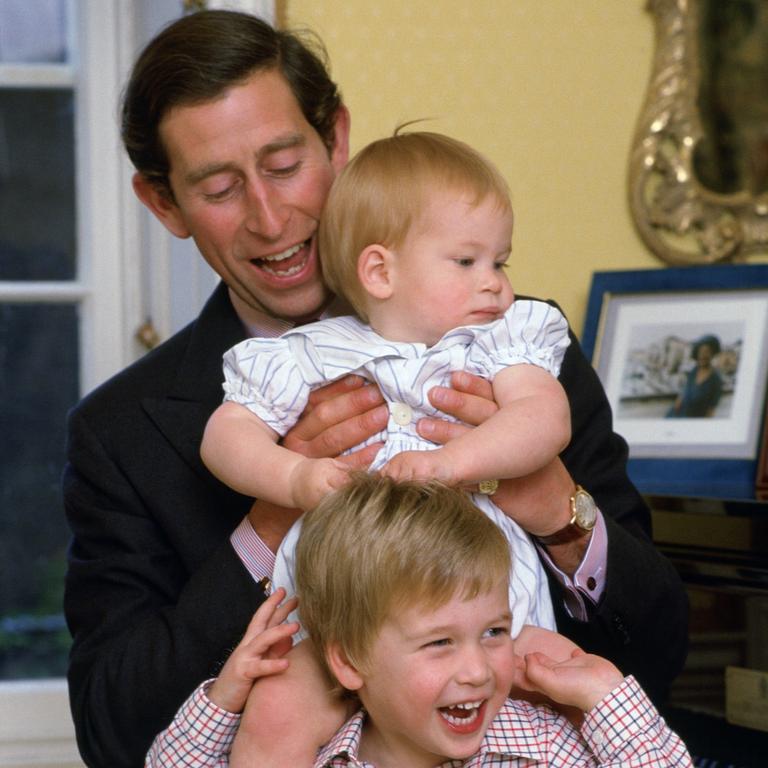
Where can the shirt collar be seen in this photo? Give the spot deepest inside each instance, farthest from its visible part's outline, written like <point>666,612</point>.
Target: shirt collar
<point>512,733</point>
<point>265,326</point>
<point>345,744</point>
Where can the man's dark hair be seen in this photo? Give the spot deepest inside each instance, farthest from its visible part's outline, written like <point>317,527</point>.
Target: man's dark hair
<point>197,58</point>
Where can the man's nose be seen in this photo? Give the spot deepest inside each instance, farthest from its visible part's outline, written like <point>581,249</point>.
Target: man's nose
<point>265,212</point>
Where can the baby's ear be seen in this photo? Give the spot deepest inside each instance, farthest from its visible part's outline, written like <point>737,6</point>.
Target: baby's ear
<point>374,270</point>
<point>343,669</point>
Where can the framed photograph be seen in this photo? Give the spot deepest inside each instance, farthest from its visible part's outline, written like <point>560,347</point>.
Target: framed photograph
<point>683,356</point>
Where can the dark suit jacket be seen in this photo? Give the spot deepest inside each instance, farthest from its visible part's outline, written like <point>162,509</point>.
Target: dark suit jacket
<point>156,597</point>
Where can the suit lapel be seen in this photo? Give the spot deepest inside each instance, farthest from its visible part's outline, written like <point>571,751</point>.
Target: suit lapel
<point>196,391</point>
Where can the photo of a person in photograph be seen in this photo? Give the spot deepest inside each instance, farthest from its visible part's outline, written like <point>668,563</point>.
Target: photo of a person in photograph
<point>703,385</point>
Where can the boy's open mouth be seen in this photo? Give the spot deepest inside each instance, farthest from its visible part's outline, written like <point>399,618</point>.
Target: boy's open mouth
<point>463,715</point>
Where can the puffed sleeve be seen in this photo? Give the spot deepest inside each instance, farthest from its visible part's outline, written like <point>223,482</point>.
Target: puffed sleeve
<point>530,332</point>
<point>272,378</point>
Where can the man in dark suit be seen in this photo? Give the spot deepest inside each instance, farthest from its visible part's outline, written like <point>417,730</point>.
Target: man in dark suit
<point>236,133</point>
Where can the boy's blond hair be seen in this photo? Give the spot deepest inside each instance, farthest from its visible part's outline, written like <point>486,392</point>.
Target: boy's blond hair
<point>383,190</point>
<point>376,545</point>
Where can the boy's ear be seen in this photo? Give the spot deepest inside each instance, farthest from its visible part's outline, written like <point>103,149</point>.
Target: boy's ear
<point>164,209</point>
<point>343,669</point>
<point>375,270</point>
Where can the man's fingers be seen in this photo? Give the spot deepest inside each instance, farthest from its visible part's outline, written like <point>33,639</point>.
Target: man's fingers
<point>472,385</point>
<point>337,424</point>
<point>334,389</point>
<point>361,459</point>
<point>440,431</point>
<point>469,408</point>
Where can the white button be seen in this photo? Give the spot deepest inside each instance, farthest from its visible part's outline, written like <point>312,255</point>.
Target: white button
<point>401,413</point>
<point>598,737</point>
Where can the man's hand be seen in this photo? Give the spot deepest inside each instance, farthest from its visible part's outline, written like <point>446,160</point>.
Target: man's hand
<point>538,503</point>
<point>339,416</point>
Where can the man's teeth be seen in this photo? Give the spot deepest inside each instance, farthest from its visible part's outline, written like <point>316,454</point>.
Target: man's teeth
<point>285,272</point>
<point>282,256</point>
<point>286,254</point>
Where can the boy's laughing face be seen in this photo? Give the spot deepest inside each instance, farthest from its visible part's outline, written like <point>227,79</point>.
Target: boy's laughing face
<point>437,679</point>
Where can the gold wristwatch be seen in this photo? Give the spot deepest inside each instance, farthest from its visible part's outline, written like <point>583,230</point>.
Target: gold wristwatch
<point>583,518</point>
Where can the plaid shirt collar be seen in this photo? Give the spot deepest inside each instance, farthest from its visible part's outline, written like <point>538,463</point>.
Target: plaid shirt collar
<point>512,733</point>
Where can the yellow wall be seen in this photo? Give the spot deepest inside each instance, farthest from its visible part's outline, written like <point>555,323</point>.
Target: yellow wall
<point>549,89</point>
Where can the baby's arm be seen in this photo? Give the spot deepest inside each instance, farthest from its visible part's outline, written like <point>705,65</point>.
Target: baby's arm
<point>531,427</point>
<point>242,451</point>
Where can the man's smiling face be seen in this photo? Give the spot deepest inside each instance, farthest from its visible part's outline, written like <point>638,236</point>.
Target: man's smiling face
<point>250,177</point>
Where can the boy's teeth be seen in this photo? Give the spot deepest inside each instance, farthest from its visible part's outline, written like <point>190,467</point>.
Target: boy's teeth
<point>469,712</point>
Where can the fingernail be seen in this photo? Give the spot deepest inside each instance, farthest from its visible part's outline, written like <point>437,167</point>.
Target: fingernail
<point>426,428</point>
<point>461,378</point>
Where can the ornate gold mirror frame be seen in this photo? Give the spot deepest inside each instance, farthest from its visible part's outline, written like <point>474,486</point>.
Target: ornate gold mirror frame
<point>678,218</point>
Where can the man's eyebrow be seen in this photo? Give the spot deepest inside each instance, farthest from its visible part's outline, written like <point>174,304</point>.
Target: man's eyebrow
<point>278,145</point>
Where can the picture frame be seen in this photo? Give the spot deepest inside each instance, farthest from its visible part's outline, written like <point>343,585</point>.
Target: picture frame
<point>694,426</point>
<point>761,482</point>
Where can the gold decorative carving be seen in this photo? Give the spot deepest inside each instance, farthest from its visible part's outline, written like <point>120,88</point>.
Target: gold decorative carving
<point>678,218</point>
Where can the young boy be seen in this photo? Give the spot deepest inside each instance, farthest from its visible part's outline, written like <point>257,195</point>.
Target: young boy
<point>403,591</point>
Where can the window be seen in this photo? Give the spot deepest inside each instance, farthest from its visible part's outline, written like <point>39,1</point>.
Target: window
<point>82,267</point>
<point>63,313</point>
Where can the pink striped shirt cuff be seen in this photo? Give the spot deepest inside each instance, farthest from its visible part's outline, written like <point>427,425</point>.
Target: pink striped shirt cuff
<point>588,583</point>
<point>255,555</point>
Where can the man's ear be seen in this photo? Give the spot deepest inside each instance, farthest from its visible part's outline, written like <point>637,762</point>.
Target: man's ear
<point>375,270</point>
<point>164,209</point>
<point>343,669</point>
<point>340,149</point>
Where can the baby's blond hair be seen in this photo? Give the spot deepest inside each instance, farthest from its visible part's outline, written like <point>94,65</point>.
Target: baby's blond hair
<point>383,190</point>
<point>377,545</point>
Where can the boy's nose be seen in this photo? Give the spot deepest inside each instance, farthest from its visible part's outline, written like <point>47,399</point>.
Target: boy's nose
<point>473,668</point>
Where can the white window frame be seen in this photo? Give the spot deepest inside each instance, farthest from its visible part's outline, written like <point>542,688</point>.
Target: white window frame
<point>127,269</point>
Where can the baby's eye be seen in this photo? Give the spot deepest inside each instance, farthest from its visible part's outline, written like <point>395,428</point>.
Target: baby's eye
<point>499,265</point>
<point>465,262</point>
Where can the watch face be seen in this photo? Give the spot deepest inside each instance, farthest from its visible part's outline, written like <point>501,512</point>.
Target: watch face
<point>584,509</point>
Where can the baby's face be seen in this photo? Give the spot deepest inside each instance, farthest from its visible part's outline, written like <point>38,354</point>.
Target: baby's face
<point>450,271</point>
<point>437,679</point>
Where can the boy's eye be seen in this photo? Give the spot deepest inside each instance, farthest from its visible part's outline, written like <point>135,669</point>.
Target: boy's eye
<point>496,631</point>
<point>439,643</point>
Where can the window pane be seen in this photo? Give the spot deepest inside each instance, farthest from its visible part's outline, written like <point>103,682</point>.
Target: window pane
<point>37,184</point>
<point>33,31</point>
<point>38,384</point>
